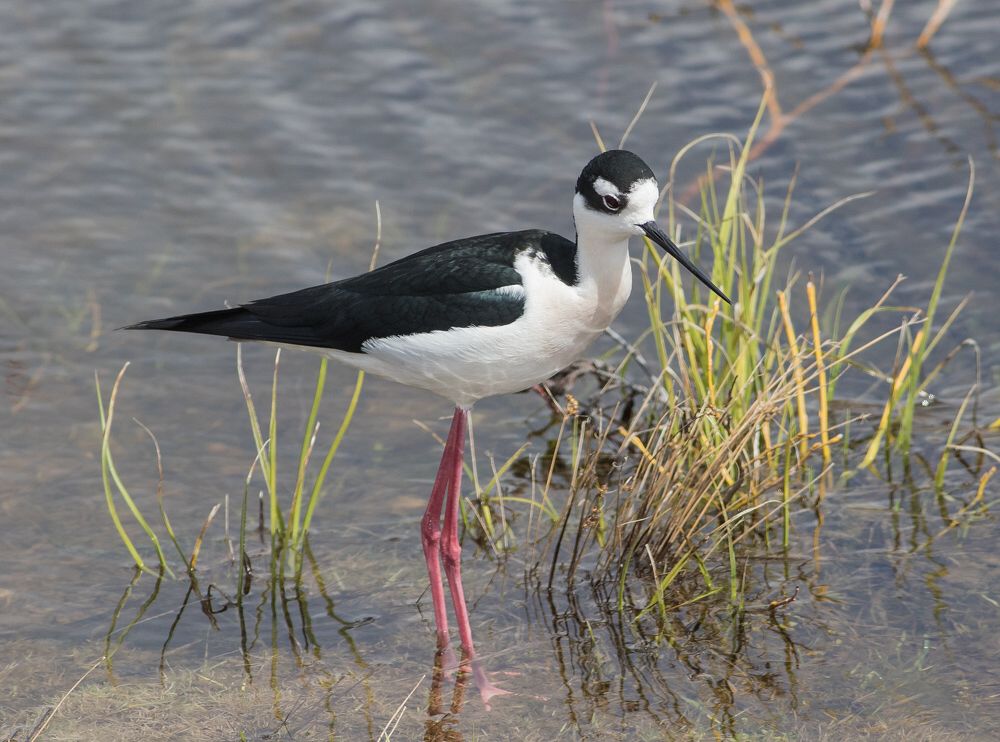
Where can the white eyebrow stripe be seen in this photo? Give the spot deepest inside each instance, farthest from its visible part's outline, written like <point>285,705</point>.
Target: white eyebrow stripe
<point>646,183</point>
<point>606,188</point>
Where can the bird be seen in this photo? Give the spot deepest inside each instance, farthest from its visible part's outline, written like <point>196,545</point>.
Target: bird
<point>467,319</point>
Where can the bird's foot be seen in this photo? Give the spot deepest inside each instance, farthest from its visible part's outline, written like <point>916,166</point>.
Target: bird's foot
<point>487,690</point>
<point>447,665</point>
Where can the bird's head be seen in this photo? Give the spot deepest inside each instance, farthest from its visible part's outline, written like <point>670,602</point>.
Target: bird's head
<point>615,197</point>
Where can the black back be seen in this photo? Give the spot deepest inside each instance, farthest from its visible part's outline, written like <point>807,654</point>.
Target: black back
<point>446,286</point>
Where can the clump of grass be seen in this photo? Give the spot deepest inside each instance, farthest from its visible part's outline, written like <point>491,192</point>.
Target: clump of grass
<point>287,526</point>
<point>909,384</point>
<point>292,525</point>
<point>733,427</point>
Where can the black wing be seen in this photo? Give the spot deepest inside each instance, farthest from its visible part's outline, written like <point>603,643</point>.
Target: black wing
<point>450,285</point>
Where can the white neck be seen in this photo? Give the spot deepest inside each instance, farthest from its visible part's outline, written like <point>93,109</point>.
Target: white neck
<point>601,258</point>
<point>603,266</point>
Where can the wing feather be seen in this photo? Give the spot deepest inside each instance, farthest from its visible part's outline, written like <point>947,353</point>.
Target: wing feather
<point>456,284</point>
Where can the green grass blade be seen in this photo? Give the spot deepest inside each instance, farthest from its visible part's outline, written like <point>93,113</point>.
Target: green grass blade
<point>106,460</point>
<point>332,451</point>
<point>919,352</point>
<point>305,450</point>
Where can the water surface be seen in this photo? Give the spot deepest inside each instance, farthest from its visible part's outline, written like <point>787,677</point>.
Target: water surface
<point>160,158</point>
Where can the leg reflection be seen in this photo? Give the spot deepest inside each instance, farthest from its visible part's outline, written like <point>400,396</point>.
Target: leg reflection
<point>446,667</point>
<point>440,725</point>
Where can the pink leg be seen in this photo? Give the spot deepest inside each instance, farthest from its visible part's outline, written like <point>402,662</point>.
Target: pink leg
<point>451,549</point>
<point>430,525</point>
<point>451,555</point>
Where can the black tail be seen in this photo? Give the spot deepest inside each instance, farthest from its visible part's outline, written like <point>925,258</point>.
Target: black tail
<point>235,323</point>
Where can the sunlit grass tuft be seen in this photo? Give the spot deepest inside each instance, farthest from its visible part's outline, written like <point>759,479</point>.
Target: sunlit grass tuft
<point>729,430</point>
<point>288,526</point>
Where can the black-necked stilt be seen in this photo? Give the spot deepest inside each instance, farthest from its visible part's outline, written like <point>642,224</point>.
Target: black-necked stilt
<point>469,319</point>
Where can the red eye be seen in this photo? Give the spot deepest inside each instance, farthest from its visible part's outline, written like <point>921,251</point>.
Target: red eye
<point>612,203</point>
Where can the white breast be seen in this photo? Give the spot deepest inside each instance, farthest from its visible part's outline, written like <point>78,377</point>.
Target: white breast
<point>468,363</point>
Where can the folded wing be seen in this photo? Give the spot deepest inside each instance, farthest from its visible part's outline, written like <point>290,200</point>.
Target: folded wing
<point>467,283</point>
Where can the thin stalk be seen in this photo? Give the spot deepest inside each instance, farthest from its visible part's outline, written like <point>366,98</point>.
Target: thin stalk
<point>345,422</point>
<point>918,353</point>
<point>272,470</point>
<point>824,425</point>
<point>108,470</point>
<point>308,437</point>
<point>795,360</point>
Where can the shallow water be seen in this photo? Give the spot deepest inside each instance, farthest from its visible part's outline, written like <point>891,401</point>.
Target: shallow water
<point>160,158</point>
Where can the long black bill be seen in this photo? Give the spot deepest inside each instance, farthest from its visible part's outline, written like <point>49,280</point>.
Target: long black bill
<point>658,236</point>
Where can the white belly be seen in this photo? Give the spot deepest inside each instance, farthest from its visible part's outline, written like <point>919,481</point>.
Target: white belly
<point>466,364</point>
